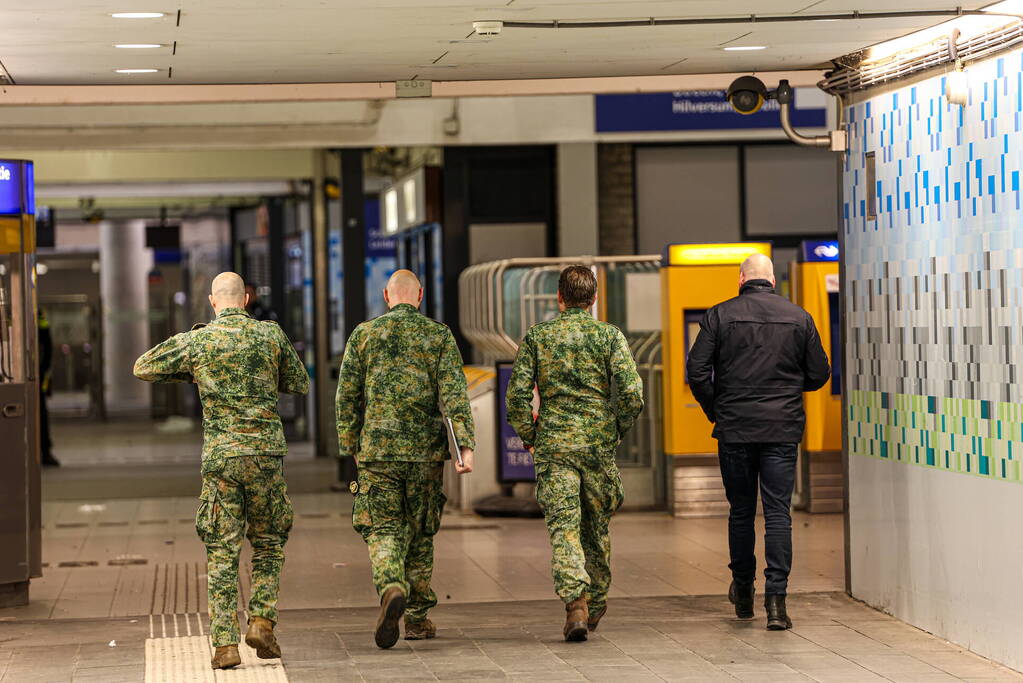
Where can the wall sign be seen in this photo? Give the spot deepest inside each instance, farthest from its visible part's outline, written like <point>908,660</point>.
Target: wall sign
<point>701,110</point>
<point>514,462</point>
<point>17,188</point>
<point>816,251</point>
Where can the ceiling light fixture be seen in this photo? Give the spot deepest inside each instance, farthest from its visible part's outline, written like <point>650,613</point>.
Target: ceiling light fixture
<point>137,15</point>
<point>136,71</point>
<point>138,46</point>
<point>744,48</point>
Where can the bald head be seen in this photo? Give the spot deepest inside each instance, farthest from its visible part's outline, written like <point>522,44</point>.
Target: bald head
<point>403,288</point>
<point>227,291</point>
<point>756,267</point>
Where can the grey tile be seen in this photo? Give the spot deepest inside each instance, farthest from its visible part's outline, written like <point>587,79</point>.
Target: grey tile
<point>111,674</point>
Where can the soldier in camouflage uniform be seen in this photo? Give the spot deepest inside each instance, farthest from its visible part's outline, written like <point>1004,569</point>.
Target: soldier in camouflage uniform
<point>397,370</point>
<point>572,360</point>
<point>239,365</point>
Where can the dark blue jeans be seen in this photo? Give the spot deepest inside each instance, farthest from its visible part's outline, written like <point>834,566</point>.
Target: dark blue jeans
<point>772,468</point>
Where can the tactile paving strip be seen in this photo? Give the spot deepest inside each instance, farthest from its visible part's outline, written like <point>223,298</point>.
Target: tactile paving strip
<point>179,651</point>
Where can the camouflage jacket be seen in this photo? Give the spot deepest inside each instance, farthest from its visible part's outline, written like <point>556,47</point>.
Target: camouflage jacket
<point>394,370</point>
<point>240,366</point>
<point>573,360</point>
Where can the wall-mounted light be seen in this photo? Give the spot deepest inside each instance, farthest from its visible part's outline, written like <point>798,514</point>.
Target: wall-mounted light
<point>137,15</point>
<point>957,86</point>
<point>136,71</point>
<point>138,46</point>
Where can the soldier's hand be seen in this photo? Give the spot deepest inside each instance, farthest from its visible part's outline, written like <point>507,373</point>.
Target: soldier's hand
<point>467,457</point>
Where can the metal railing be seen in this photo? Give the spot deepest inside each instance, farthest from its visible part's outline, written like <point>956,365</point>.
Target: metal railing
<point>501,300</point>
<point>530,286</point>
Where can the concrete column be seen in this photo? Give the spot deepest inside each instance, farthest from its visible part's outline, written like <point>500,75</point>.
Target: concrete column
<point>577,199</point>
<point>125,263</point>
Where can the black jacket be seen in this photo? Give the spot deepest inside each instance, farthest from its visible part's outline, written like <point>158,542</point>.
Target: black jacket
<point>754,357</point>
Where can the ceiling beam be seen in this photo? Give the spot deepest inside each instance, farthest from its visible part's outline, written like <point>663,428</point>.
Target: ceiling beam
<point>22,95</point>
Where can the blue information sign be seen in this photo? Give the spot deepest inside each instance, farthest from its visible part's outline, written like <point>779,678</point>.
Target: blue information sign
<point>700,110</point>
<point>514,462</point>
<point>816,251</point>
<point>17,188</point>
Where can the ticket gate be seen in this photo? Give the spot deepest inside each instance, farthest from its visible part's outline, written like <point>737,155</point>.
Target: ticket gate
<point>21,558</point>
<point>694,278</point>
<point>814,285</point>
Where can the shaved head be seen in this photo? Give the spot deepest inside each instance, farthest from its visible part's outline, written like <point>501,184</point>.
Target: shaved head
<point>757,267</point>
<point>403,288</point>
<point>227,291</point>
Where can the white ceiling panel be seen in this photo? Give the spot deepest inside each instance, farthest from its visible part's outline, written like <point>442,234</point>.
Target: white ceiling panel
<point>261,41</point>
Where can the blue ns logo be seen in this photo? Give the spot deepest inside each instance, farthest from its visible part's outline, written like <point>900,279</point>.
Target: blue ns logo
<point>828,251</point>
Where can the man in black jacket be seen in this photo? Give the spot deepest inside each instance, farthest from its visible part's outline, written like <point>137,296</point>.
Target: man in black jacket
<point>754,357</point>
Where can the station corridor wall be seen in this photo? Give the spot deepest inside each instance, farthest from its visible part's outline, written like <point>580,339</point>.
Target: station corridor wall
<point>933,292</point>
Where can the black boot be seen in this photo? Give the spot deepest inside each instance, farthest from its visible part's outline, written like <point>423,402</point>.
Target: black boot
<point>742,597</point>
<point>777,617</point>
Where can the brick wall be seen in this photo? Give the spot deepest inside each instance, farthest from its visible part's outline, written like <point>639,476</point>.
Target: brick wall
<point>616,187</point>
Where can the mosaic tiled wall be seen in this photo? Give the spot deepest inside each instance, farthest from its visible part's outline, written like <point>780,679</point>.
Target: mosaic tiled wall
<point>934,284</point>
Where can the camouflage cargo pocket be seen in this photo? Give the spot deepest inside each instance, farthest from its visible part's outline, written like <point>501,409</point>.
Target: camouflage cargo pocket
<point>208,513</point>
<point>283,513</point>
<point>615,487</point>
<point>433,513</point>
<point>362,519</point>
<point>542,487</point>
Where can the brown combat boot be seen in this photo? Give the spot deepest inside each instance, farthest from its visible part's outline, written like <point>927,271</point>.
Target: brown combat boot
<point>226,657</point>
<point>576,616</point>
<point>419,630</point>
<point>260,637</point>
<point>392,607</point>
<point>594,617</point>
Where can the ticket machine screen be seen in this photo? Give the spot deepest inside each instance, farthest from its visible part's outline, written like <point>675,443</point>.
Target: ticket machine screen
<point>691,324</point>
<point>836,343</point>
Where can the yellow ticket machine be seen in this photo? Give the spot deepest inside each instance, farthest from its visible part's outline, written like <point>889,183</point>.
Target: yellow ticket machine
<point>694,277</point>
<point>814,285</point>
<point>20,558</point>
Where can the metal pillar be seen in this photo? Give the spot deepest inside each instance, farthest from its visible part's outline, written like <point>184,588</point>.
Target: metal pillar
<point>353,255</point>
<point>325,430</point>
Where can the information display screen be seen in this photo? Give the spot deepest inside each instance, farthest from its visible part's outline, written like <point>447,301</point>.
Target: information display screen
<point>691,319</point>
<point>514,462</point>
<point>836,343</point>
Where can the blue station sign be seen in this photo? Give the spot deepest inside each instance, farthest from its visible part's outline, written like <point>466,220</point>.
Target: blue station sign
<point>701,110</point>
<point>17,188</point>
<point>816,251</point>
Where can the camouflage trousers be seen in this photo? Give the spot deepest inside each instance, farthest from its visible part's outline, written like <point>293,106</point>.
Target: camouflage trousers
<point>578,492</point>
<point>243,496</point>
<point>397,511</point>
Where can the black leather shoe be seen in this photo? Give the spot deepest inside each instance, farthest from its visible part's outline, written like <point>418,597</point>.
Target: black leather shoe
<point>742,597</point>
<point>777,617</point>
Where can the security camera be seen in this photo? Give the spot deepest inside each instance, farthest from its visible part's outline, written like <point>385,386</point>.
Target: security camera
<point>487,28</point>
<point>746,94</point>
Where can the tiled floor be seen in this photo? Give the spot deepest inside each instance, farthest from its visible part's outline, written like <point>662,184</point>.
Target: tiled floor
<point>135,556</point>
<point>678,638</point>
<point>125,575</point>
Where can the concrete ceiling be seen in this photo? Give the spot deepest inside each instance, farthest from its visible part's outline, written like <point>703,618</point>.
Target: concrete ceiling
<point>270,41</point>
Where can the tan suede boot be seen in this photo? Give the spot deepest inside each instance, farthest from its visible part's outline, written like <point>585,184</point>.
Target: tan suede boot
<point>576,616</point>
<point>419,630</point>
<point>392,607</point>
<point>593,619</point>
<point>260,637</point>
<point>226,657</point>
